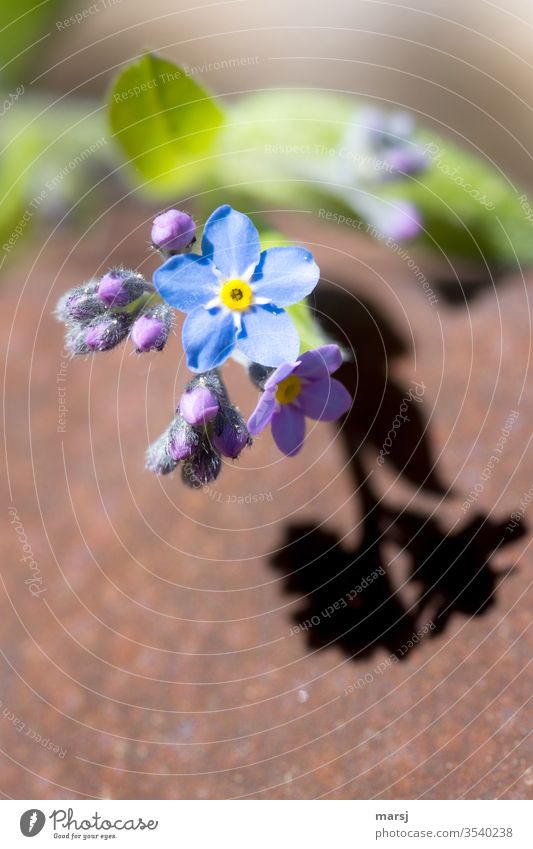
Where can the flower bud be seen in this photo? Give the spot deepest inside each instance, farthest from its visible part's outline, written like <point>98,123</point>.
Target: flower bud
<point>105,333</point>
<point>173,231</point>
<point>80,304</point>
<point>75,341</point>
<point>183,441</point>
<point>120,287</point>
<point>230,434</point>
<point>158,457</point>
<point>150,331</point>
<point>199,405</point>
<point>203,467</point>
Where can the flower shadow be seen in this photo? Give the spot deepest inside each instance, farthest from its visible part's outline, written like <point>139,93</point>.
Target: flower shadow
<point>407,575</point>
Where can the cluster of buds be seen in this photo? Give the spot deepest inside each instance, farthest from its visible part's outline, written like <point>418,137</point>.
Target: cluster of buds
<point>206,427</point>
<point>230,295</point>
<point>101,314</point>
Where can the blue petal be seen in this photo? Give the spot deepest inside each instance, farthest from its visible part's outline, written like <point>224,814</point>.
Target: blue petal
<point>208,338</point>
<point>285,275</point>
<point>268,336</point>
<point>231,241</point>
<point>187,281</point>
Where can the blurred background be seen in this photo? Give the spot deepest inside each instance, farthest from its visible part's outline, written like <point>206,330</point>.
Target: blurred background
<point>162,643</point>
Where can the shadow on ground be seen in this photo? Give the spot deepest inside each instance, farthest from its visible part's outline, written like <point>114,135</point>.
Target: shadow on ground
<point>363,599</point>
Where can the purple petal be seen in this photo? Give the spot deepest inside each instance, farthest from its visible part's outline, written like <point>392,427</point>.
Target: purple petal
<point>231,241</point>
<point>268,336</point>
<point>262,415</point>
<point>208,338</point>
<point>187,281</point>
<point>280,374</point>
<point>288,429</point>
<point>320,362</point>
<point>325,400</point>
<point>285,275</point>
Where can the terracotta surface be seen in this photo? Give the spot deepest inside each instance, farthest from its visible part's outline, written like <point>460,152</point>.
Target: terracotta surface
<point>164,655</point>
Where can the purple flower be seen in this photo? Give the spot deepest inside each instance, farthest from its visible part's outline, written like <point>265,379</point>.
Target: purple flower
<point>299,389</point>
<point>199,406</point>
<point>173,231</point>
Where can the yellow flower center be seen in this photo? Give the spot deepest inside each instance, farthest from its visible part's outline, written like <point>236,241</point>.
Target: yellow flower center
<point>288,389</point>
<point>236,294</point>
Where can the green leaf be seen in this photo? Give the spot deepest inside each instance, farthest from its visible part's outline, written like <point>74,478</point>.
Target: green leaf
<point>165,123</point>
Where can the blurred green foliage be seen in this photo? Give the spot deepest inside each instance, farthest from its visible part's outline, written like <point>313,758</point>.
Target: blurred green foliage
<point>278,149</point>
<point>22,26</point>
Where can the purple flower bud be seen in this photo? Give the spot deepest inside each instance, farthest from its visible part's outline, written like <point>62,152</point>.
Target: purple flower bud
<point>75,341</point>
<point>105,333</point>
<point>173,231</point>
<point>158,457</point>
<point>183,442</point>
<point>120,287</point>
<point>199,405</point>
<point>80,304</point>
<point>150,331</point>
<point>202,468</point>
<point>230,434</point>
